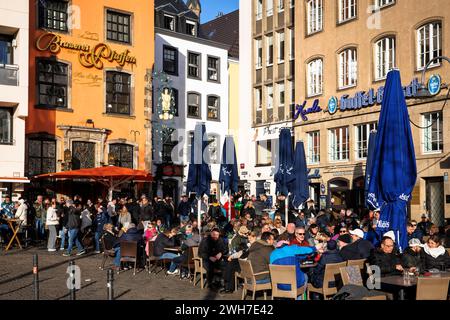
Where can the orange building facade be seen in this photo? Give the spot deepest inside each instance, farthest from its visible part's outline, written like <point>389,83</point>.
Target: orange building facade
<point>90,85</point>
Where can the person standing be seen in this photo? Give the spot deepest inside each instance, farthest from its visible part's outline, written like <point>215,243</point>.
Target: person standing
<point>184,209</point>
<point>52,222</point>
<point>73,225</point>
<point>146,212</point>
<point>40,217</point>
<point>100,220</point>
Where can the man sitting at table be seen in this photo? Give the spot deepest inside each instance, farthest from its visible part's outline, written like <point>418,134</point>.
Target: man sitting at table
<point>164,240</point>
<point>359,248</point>
<point>299,240</point>
<point>212,250</point>
<point>413,258</point>
<point>384,258</point>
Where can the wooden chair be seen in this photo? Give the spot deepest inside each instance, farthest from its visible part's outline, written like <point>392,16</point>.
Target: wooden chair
<point>237,276</point>
<point>360,263</point>
<point>380,297</point>
<point>432,288</point>
<point>284,275</point>
<point>128,253</point>
<point>189,263</point>
<point>250,280</point>
<point>351,275</point>
<point>331,271</point>
<point>198,267</point>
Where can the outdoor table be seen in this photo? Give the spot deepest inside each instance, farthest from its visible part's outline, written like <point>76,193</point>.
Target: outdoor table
<point>173,249</point>
<point>11,223</point>
<point>308,265</point>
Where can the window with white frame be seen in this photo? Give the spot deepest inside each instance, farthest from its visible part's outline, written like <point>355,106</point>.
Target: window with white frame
<point>362,133</point>
<point>280,47</point>
<point>269,7</point>
<point>269,99</point>
<point>269,40</point>
<point>213,108</point>
<point>315,77</point>
<point>383,3</point>
<point>347,10</point>
<point>280,5</point>
<point>314,15</point>
<point>429,44</point>
<point>258,53</point>
<point>338,144</point>
<point>384,57</point>
<point>313,147</point>
<point>258,98</point>
<point>259,9</point>
<point>281,94</point>
<point>292,45</point>
<point>432,134</point>
<point>191,28</point>
<point>264,152</point>
<point>347,68</point>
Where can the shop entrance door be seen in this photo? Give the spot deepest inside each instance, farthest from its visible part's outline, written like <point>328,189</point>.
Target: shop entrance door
<point>435,199</point>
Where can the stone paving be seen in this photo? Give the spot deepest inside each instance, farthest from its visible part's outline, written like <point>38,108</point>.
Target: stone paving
<point>16,280</point>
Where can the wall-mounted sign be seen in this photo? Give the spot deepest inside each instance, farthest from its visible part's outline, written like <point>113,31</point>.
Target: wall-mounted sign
<point>332,105</point>
<point>244,173</point>
<point>434,84</point>
<point>88,56</point>
<point>266,185</point>
<point>300,110</point>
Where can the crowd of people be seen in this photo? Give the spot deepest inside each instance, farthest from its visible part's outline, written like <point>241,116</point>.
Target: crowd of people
<point>255,230</point>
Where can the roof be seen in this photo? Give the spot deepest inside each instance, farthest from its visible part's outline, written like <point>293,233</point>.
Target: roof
<point>177,7</point>
<point>224,29</point>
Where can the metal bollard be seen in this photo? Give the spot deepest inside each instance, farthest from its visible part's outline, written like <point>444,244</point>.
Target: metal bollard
<point>109,284</point>
<point>72,288</point>
<point>35,277</point>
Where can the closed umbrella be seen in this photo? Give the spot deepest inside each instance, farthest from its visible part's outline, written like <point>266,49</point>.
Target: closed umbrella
<point>394,171</point>
<point>369,166</point>
<point>228,177</point>
<point>300,184</point>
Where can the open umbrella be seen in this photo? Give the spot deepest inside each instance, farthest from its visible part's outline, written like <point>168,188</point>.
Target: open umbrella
<point>285,174</point>
<point>394,171</point>
<point>300,184</point>
<point>199,174</point>
<point>369,165</point>
<point>228,177</point>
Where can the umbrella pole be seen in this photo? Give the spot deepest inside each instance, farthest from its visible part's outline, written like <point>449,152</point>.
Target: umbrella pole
<point>286,209</point>
<point>199,214</point>
<point>229,208</point>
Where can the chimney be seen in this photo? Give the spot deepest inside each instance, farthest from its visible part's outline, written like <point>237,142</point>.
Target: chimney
<point>195,7</point>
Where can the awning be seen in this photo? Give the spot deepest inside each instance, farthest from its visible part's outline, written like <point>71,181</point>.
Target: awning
<point>14,180</point>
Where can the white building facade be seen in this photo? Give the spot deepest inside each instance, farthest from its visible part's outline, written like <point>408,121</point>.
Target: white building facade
<point>14,59</point>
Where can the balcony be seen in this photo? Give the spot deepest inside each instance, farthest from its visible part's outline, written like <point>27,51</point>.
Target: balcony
<point>9,75</point>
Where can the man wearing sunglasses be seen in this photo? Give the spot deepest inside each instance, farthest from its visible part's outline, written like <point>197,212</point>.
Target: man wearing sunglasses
<point>413,231</point>
<point>299,239</point>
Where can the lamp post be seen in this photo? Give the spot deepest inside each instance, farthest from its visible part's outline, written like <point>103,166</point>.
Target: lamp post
<point>423,91</point>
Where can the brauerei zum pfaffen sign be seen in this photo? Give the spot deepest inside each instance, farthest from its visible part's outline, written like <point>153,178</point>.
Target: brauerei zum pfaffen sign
<point>89,56</point>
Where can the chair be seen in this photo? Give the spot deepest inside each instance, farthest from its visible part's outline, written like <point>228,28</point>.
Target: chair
<point>360,263</point>
<point>432,288</point>
<point>388,295</point>
<point>152,258</point>
<point>128,252</point>
<point>351,275</point>
<point>198,267</point>
<point>107,253</point>
<point>189,263</point>
<point>331,271</point>
<point>284,275</point>
<point>250,280</point>
<point>380,297</point>
<point>237,276</point>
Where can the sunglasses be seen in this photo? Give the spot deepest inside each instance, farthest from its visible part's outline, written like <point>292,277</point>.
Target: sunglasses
<point>414,225</point>
<point>343,231</point>
<point>300,234</point>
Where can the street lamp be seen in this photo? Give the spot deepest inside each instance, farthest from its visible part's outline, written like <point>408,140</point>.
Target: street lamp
<point>423,92</point>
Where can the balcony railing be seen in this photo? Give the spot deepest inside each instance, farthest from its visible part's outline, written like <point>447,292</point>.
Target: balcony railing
<point>9,75</point>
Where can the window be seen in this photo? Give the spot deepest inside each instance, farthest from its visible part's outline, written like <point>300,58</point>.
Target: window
<point>168,145</point>
<point>170,60</point>
<point>313,147</point>
<point>347,68</point>
<point>83,155</point>
<point>339,140</point>
<point>52,83</point>
<point>53,14</point>
<point>191,28</point>
<point>347,10</point>
<point>194,62</point>
<point>292,45</point>
<point>123,154</point>
<point>432,135</point>
<point>6,123</point>
<point>264,152</point>
<point>362,139</point>
<point>118,89</point>
<point>281,94</point>
<point>315,77</point>
<point>213,69</point>
<point>213,147</point>
<point>258,51</point>
<point>384,57</point>
<point>429,44</point>
<point>269,7</point>
<point>314,16</point>
<point>383,3</point>
<point>213,108</point>
<point>41,156</point>
<point>280,47</point>
<point>259,9</point>
<point>269,40</point>
<point>258,98</point>
<point>118,26</point>
<point>280,5</point>
<point>193,104</point>
<point>269,99</point>
<point>6,49</point>
<point>169,22</point>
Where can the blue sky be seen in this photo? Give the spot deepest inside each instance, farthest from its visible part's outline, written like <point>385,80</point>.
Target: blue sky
<point>210,8</point>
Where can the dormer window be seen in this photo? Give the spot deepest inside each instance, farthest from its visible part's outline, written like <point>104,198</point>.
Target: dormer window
<point>169,22</point>
<point>191,28</point>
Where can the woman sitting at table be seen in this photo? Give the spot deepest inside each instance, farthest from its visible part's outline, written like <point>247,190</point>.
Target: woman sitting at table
<point>435,255</point>
<point>163,241</point>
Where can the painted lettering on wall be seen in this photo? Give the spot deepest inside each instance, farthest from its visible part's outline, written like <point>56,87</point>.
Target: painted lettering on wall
<point>302,111</point>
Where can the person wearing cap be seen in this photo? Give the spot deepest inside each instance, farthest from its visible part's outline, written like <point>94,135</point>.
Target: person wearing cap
<point>239,240</point>
<point>310,211</point>
<point>385,258</point>
<point>343,241</point>
<point>331,255</point>
<point>413,258</point>
<point>425,225</point>
<point>359,248</point>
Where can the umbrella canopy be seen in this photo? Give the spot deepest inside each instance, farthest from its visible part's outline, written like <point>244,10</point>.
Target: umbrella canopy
<point>285,174</point>
<point>369,165</point>
<point>228,177</point>
<point>394,171</point>
<point>199,175</point>
<point>300,184</point>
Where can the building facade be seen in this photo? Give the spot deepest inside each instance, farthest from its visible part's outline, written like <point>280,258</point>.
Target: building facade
<point>13,95</point>
<point>194,70</point>
<point>90,94</point>
<point>341,74</point>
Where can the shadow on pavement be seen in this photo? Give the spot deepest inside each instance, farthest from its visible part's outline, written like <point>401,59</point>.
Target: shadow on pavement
<point>82,287</point>
<point>18,289</point>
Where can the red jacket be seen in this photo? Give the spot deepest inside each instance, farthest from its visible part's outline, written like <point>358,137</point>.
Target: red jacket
<point>304,243</point>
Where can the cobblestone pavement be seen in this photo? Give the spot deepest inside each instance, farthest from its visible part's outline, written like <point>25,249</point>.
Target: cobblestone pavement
<point>16,280</point>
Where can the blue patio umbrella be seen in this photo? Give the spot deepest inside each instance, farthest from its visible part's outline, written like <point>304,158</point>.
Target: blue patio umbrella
<point>300,184</point>
<point>228,177</point>
<point>369,165</point>
<point>394,171</point>
<point>199,174</point>
<point>284,176</point>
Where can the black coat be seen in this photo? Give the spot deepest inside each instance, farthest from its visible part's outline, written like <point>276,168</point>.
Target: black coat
<point>162,241</point>
<point>318,273</point>
<point>74,220</point>
<point>146,213</point>
<point>412,259</point>
<point>184,208</point>
<point>134,210</point>
<point>360,249</point>
<point>436,263</point>
<point>386,262</point>
<point>209,248</point>
<point>110,241</point>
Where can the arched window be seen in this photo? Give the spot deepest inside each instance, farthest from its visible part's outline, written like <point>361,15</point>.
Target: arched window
<point>384,57</point>
<point>429,43</point>
<point>315,77</point>
<point>348,68</point>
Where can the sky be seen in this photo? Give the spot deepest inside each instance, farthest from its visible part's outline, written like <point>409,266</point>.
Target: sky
<point>210,8</point>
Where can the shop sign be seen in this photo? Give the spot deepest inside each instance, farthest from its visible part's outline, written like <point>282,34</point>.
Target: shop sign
<point>302,111</point>
<point>88,56</point>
